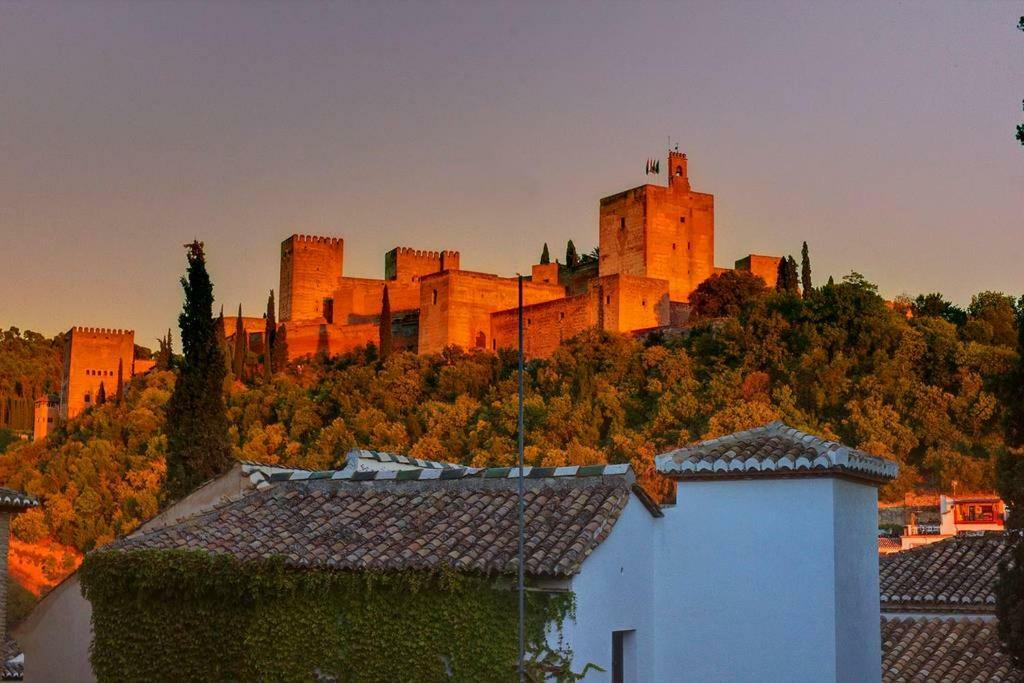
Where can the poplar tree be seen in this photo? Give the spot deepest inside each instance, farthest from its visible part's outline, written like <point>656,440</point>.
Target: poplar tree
<point>198,445</point>
<point>269,337</point>
<point>545,256</point>
<point>805,271</point>
<point>385,326</point>
<point>238,357</point>
<point>1010,477</point>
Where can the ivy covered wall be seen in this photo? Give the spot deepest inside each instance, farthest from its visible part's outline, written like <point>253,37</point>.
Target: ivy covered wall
<point>189,616</point>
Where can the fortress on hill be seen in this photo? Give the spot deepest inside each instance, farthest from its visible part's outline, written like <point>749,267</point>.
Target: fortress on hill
<point>656,245</point>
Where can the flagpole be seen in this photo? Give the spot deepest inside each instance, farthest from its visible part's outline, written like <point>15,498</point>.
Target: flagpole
<point>522,506</point>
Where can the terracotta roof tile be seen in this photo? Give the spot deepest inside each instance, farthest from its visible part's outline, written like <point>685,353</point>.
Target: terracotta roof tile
<point>468,523</point>
<point>772,449</point>
<point>9,498</point>
<point>944,650</point>
<point>954,575</point>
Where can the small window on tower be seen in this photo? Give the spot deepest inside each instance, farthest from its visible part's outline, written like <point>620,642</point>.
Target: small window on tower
<point>682,219</point>
<point>435,297</point>
<point>622,223</point>
<point>679,170</point>
<point>608,299</point>
<point>673,246</point>
<point>643,302</point>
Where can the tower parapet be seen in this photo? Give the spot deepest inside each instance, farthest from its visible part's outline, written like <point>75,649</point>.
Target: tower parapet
<point>678,175</point>
<point>311,266</point>
<point>409,265</point>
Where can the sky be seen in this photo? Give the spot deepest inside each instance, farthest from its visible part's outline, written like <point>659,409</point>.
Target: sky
<point>879,132</point>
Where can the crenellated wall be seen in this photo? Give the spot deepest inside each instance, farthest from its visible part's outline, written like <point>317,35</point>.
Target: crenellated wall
<point>409,265</point>
<point>311,267</point>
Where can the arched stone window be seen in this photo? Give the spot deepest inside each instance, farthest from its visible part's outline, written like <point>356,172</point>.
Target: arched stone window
<point>435,297</point>
<point>679,170</point>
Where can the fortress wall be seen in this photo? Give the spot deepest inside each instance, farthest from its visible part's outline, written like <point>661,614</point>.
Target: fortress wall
<point>91,357</point>
<point>456,307</point>
<point>766,267</point>
<point>622,236</point>
<point>545,325</point>
<point>357,299</point>
<point>310,269</point>
<point>634,303</point>
<point>408,265</point>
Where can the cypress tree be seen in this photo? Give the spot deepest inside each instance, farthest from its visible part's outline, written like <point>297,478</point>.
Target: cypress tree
<point>269,334</point>
<point>805,271</point>
<point>545,256</point>
<point>238,356</point>
<point>165,355</point>
<point>782,276</point>
<point>281,348</point>
<point>120,381</point>
<point>385,326</point>
<point>793,280</point>
<point>571,257</point>
<point>198,446</point>
<point>1010,477</point>
<point>101,395</point>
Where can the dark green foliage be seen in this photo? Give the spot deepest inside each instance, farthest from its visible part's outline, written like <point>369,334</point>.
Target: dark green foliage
<point>189,616</point>
<point>727,294</point>
<point>280,351</point>
<point>198,448</point>
<point>386,343</point>
<point>101,395</point>
<point>269,337</point>
<point>1010,588</point>
<point>805,271</point>
<point>545,255</point>
<point>935,305</point>
<point>571,257</point>
<point>7,437</point>
<point>240,350</point>
<point>992,319</point>
<point>30,364</point>
<point>787,280</point>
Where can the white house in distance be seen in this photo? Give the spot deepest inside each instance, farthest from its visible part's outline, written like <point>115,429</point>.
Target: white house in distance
<point>766,568</point>
<point>967,513</point>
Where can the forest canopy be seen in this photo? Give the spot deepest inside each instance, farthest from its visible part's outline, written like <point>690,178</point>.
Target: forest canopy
<point>898,380</point>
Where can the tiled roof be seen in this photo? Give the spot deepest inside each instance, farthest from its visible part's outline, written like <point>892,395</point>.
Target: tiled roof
<point>944,650</point>
<point>954,575</point>
<point>417,519</point>
<point>11,660</point>
<point>888,544</point>
<point>772,449</point>
<point>10,498</point>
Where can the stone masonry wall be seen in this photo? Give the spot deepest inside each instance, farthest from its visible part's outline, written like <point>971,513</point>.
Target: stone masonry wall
<point>91,358</point>
<point>456,307</point>
<point>310,269</point>
<point>767,267</point>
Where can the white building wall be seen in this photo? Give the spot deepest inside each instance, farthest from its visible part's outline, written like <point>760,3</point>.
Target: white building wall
<point>745,583</point>
<point>614,592</point>
<point>858,641</point>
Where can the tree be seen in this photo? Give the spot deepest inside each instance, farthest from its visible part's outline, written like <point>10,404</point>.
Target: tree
<point>269,338</point>
<point>994,317</point>
<point>198,446</point>
<point>545,255</point>
<point>727,293</point>
<point>935,305</point>
<point>165,355</point>
<point>805,271</point>
<point>385,326</point>
<point>786,280</point>
<point>120,381</point>
<point>1020,127</point>
<point>571,257</point>
<point>281,348</point>
<point>240,349</point>
<point>101,395</point>
<point>1010,473</point>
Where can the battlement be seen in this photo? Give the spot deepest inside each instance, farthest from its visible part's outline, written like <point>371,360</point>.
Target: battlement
<point>317,239</point>
<point>425,254</point>
<point>102,330</point>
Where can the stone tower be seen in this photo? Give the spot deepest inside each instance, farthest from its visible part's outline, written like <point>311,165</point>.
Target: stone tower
<point>92,356</point>
<point>311,267</point>
<point>661,232</point>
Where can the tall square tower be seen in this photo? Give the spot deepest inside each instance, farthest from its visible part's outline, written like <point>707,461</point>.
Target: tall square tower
<point>94,357</point>
<point>311,267</point>
<point>662,232</point>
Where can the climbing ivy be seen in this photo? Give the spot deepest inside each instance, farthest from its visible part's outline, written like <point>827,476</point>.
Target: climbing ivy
<point>176,615</point>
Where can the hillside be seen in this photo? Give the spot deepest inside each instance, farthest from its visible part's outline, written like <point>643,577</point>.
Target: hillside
<point>841,364</point>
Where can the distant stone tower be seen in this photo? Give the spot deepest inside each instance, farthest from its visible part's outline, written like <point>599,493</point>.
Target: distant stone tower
<point>666,233</point>
<point>92,356</point>
<point>311,267</point>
